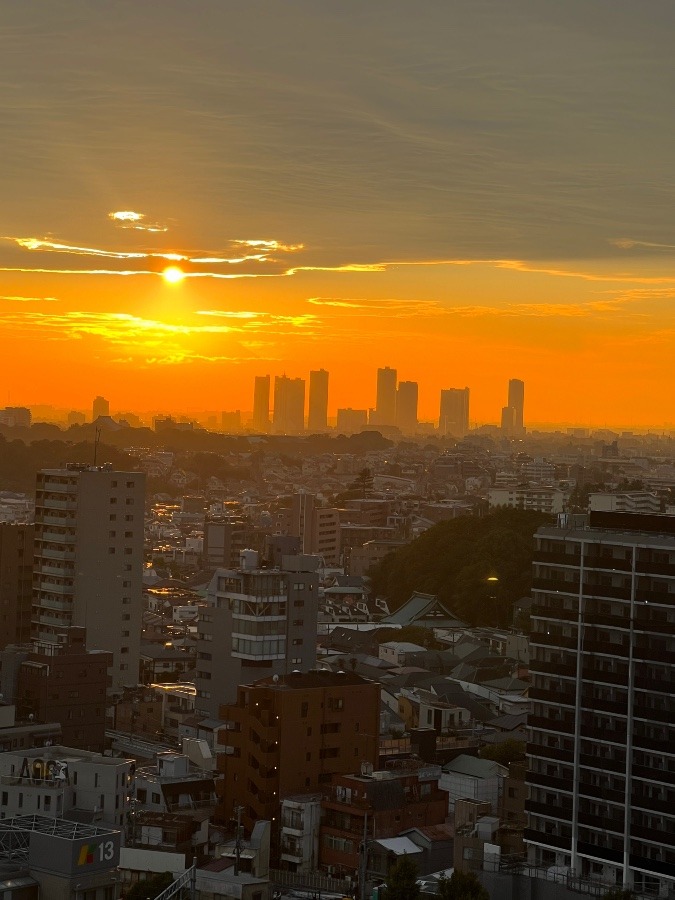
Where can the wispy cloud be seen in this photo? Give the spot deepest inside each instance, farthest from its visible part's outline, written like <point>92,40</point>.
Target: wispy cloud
<point>21,299</point>
<point>128,219</point>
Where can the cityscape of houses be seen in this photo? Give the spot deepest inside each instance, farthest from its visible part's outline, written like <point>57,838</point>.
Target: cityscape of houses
<point>197,676</point>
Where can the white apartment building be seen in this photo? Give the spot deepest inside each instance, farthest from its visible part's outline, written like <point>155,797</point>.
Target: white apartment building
<point>88,561</point>
<point>60,781</point>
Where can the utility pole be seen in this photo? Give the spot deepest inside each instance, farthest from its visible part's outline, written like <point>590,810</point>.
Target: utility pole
<point>237,841</point>
<point>363,861</point>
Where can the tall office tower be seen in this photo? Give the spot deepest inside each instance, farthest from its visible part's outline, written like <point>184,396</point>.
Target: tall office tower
<point>256,622</point>
<point>100,407</point>
<point>385,404</point>
<point>289,405</point>
<point>517,403</point>
<point>317,419</point>
<point>16,583</point>
<point>406,406</point>
<point>454,414</point>
<point>261,403</point>
<point>602,748</point>
<point>88,561</point>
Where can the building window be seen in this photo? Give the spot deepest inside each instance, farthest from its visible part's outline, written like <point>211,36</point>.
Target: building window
<point>130,501</point>
<point>111,550</point>
<point>112,533</point>
<point>155,798</point>
<point>112,517</point>
<point>304,709</point>
<point>113,500</point>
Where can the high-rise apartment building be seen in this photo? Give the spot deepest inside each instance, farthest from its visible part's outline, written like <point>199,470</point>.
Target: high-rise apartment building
<point>602,748</point>
<point>261,403</point>
<point>88,561</point>
<point>318,527</point>
<point>516,402</point>
<point>385,404</point>
<point>406,406</point>
<point>289,405</point>
<point>256,622</point>
<point>100,407</point>
<point>16,583</point>
<point>317,418</point>
<point>508,422</point>
<point>454,413</point>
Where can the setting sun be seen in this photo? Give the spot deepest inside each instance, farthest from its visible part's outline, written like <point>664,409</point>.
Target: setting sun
<point>173,275</point>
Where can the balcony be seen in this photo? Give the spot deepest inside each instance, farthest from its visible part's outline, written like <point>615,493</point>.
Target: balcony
<point>552,668</point>
<point>55,588</point>
<point>654,568</point>
<point>50,553</point>
<point>65,519</point>
<point>554,753</point>
<point>602,763</point>
<point>608,562</point>
<point>606,590</point>
<point>52,603</point>
<point>51,503</point>
<point>557,557</point>
<point>550,810</point>
<point>44,618</point>
<point>547,840</point>
<point>553,640</point>
<point>556,586</point>
<point>550,781</point>
<point>542,611</point>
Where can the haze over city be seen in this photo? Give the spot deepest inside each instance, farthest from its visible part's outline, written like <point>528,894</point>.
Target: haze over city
<point>468,193</point>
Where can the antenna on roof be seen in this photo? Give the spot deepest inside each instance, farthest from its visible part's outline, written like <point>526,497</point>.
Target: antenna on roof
<point>97,438</point>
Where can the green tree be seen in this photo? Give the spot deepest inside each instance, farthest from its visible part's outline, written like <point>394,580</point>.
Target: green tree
<point>504,753</point>
<point>148,889</point>
<point>402,880</point>
<point>363,483</point>
<point>455,561</point>
<point>618,893</point>
<point>461,886</point>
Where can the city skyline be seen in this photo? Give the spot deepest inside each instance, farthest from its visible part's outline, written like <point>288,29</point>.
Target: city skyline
<point>474,191</point>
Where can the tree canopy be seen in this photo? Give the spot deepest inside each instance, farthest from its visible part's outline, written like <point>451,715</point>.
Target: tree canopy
<point>461,886</point>
<point>402,880</point>
<point>478,567</point>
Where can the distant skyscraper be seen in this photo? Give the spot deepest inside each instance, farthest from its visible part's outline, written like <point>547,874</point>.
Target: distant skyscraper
<point>385,406</point>
<point>261,403</point>
<point>88,561</point>
<point>517,402</point>
<point>509,420</point>
<point>350,421</point>
<point>454,414</point>
<point>100,407</point>
<point>406,406</point>
<point>289,405</point>
<point>317,419</point>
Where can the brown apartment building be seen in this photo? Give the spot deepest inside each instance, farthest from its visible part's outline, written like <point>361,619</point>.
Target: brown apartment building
<point>67,686</point>
<point>376,805</point>
<point>16,583</point>
<point>291,734</point>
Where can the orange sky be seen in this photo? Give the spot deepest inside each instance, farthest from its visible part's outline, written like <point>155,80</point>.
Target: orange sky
<point>466,199</point>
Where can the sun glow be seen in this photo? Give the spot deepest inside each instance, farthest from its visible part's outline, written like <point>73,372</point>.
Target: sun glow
<point>173,275</point>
